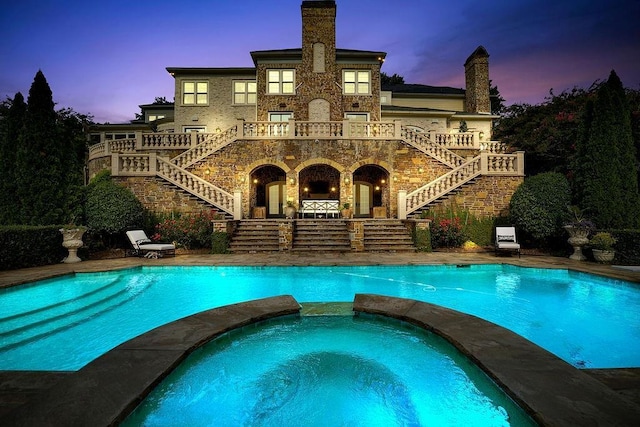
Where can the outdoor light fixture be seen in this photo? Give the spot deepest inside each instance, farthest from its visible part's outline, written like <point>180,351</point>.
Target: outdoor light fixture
<point>218,130</point>
<point>243,179</point>
<point>481,135</point>
<point>306,189</point>
<point>420,170</point>
<point>383,181</point>
<point>346,180</point>
<point>377,188</point>
<point>292,181</point>
<point>207,171</point>
<point>333,189</point>
<point>255,180</point>
<point>395,179</point>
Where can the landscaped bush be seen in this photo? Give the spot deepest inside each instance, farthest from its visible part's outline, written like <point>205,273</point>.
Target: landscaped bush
<point>111,209</point>
<point>422,239</point>
<point>627,247</point>
<point>538,207</point>
<point>447,233</point>
<point>219,242</point>
<point>191,231</point>
<point>19,251</point>
<point>480,230</point>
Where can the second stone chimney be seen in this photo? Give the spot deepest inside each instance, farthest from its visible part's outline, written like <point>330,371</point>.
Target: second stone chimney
<point>476,71</point>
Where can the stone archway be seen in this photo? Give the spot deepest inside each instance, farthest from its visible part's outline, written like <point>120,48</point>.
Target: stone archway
<point>319,182</point>
<point>371,191</point>
<point>267,191</point>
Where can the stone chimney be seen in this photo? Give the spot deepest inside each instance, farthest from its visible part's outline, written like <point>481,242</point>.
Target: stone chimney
<point>476,71</point>
<point>319,33</point>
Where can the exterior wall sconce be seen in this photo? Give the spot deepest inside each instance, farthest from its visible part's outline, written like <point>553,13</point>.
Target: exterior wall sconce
<point>481,135</point>
<point>421,170</point>
<point>377,188</point>
<point>218,130</point>
<point>292,181</point>
<point>255,180</point>
<point>333,189</point>
<point>395,179</point>
<point>243,180</point>
<point>207,172</point>
<point>346,180</point>
<point>306,189</point>
<point>383,181</point>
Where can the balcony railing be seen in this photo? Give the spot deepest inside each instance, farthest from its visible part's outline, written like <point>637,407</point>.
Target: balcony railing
<point>346,129</point>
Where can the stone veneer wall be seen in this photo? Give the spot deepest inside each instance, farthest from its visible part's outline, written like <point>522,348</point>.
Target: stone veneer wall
<point>159,197</point>
<point>488,196</point>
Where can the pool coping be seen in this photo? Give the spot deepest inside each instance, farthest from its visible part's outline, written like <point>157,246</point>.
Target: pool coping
<point>106,390</point>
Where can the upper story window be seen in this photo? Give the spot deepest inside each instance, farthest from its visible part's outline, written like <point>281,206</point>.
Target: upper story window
<point>280,82</point>
<point>154,117</point>
<point>195,93</point>
<point>359,117</point>
<point>356,82</point>
<point>244,92</point>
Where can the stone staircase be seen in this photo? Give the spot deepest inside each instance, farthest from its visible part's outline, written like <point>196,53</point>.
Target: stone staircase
<point>387,235</point>
<point>251,236</point>
<point>321,235</point>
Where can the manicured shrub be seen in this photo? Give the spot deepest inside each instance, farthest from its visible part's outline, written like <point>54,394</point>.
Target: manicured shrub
<point>627,247</point>
<point>219,242</point>
<point>112,209</point>
<point>422,239</point>
<point>539,205</point>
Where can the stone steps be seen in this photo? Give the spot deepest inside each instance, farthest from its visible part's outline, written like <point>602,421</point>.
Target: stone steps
<point>252,236</point>
<point>321,235</point>
<point>387,235</point>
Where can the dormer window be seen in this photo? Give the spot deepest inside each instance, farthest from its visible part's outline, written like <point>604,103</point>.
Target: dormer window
<point>356,82</point>
<point>280,82</point>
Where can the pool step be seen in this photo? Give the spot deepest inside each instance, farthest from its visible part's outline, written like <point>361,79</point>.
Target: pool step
<point>63,314</point>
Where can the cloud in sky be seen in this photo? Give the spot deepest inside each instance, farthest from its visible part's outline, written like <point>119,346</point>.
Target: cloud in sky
<point>107,58</point>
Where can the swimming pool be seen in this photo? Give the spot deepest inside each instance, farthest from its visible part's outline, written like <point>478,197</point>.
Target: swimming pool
<point>328,370</point>
<point>64,323</point>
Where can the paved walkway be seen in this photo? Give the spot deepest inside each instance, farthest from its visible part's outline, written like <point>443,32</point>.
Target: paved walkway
<point>106,389</point>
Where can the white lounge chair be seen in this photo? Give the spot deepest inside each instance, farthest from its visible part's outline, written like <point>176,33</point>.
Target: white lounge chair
<point>142,245</point>
<point>506,240</point>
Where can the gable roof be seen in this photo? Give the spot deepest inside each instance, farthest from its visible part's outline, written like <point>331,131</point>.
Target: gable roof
<point>417,89</point>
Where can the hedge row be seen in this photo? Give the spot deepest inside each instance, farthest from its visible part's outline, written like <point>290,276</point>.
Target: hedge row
<point>627,247</point>
<point>24,246</point>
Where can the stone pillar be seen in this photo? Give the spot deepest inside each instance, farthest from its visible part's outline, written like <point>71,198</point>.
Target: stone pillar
<point>402,204</point>
<point>356,235</point>
<point>237,205</point>
<point>285,235</point>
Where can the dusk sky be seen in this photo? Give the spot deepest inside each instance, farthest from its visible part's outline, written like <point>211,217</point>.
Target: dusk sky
<point>105,58</point>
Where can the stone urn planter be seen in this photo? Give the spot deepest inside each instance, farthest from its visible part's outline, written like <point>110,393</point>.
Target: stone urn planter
<point>72,241</point>
<point>578,237</point>
<point>603,256</point>
<point>602,247</point>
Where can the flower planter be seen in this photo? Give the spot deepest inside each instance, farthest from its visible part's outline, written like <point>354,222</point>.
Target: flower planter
<point>603,255</point>
<point>72,241</point>
<point>578,237</point>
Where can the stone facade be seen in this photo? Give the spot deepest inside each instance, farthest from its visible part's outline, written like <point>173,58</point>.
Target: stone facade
<point>352,161</point>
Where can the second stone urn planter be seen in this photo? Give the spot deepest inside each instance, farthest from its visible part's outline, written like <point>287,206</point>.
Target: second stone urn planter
<point>72,240</point>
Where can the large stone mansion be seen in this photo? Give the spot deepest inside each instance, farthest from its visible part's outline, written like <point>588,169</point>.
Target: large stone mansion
<point>314,127</point>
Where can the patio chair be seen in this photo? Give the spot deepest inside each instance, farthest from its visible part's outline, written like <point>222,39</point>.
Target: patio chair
<point>143,247</point>
<point>506,240</point>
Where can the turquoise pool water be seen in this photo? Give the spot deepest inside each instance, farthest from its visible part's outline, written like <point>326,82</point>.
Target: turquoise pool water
<point>64,323</point>
<point>328,371</point>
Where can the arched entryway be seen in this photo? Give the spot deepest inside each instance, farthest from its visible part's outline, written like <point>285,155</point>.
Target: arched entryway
<point>370,190</point>
<point>319,182</point>
<point>268,191</point>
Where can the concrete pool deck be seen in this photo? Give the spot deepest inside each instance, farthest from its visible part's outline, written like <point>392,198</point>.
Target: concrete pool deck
<point>100,393</point>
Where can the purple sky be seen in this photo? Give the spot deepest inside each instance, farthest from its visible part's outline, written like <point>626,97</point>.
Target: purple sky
<point>105,58</point>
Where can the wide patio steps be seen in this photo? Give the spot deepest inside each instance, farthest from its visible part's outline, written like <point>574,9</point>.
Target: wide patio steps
<point>387,235</point>
<point>253,235</point>
<point>321,235</point>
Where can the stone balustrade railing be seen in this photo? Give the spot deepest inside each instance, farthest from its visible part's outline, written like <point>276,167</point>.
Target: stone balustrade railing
<point>423,142</point>
<point>207,144</point>
<point>484,164</point>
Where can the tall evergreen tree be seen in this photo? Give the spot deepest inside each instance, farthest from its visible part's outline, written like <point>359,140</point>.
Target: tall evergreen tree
<point>11,126</point>
<point>605,182</point>
<point>40,159</point>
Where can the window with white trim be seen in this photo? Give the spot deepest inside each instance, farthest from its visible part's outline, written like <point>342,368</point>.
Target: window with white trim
<point>195,93</point>
<point>154,117</point>
<point>280,82</point>
<point>359,117</point>
<point>194,129</point>
<point>279,129</point>
<point>356,82</point>
<point>244,92</point>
